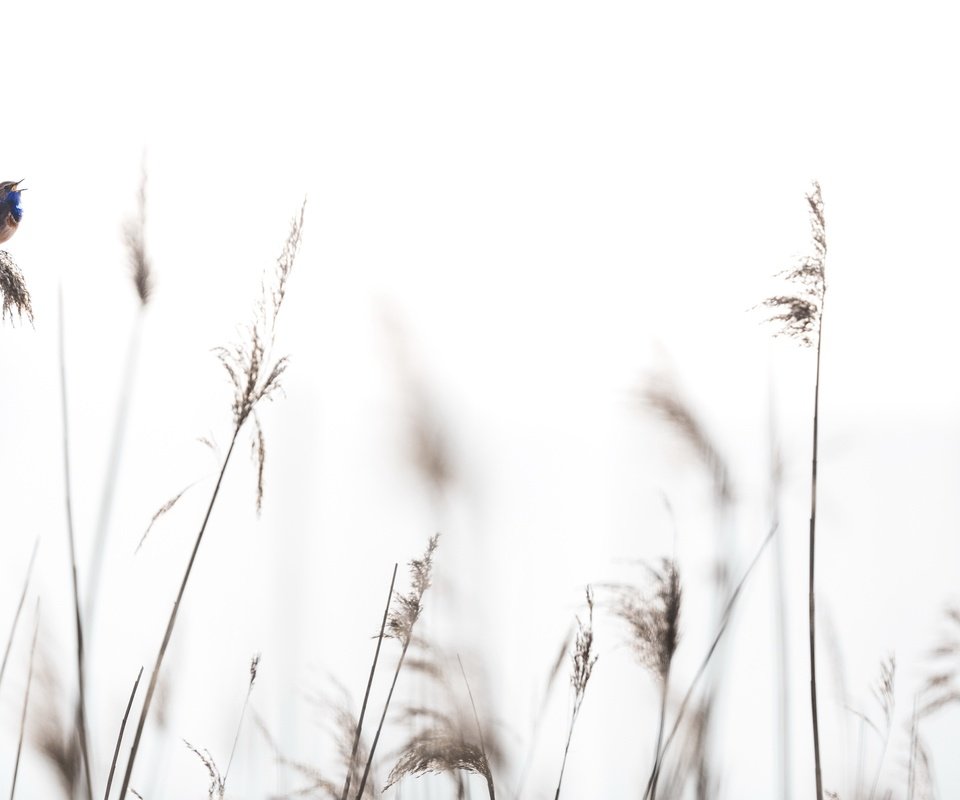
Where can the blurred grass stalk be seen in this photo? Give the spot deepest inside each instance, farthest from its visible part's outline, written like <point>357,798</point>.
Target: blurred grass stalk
<point>141,274</point>
<point>81,709</point>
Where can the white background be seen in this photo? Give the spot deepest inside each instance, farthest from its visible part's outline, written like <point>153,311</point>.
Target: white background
<point>539,204</point>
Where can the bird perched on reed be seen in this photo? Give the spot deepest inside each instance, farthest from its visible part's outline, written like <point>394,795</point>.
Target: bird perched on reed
<point>10,211</point>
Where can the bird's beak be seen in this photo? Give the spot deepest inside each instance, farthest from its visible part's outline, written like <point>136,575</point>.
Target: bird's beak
<point>16,186</point>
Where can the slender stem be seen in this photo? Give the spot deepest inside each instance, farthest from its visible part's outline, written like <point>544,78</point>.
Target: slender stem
<point>155,675</point>
<point>113,467</point>
<point>783,660</point>
<point>727,614</point>
<point>813,530</point>
<point>366,694</point>
<point>236,738</point>
<point>912,766</point>
<point>383,716</point>
<point>26,701</point>
<point>566,750</point>
<point>81,683</point>
<point>663,719</point>
<point>476,719</point>
<point>883,755</point>
<point>16,616</point>
<point>782,646</point>
<point>123,725</point>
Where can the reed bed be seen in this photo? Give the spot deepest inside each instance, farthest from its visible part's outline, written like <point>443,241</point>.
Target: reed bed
<point>455,736</point>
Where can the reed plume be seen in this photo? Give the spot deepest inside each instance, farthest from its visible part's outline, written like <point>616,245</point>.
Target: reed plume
<point>445,746</point>
<point>800,315</point>
<point>653,620</point>
<point>584,659</point>
<point>255,377</point>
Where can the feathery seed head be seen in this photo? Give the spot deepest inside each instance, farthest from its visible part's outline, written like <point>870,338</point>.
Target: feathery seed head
<point>799,313</point>
<point>407,608</point>
<point>653,618</point>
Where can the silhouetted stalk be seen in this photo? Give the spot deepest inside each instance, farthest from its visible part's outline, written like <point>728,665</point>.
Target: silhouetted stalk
<point>16,616</point>
<point>584,660</point>
<point>26,702</point>
<point>727,614</point>
<point>366,694</point>
<point>113,466</point>
<point>663,720</point>
<point>801,316</point>
<point>383,717</point>
<point>813,531</point>
<point>123,725</point>
<point>81,712</point>
<point>172,621</point>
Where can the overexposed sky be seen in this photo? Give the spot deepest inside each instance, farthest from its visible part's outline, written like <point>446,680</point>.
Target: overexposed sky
<point>548,200</point>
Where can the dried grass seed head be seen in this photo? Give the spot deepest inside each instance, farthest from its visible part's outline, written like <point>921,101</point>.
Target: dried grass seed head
<point>134,237</point>
<point>584,657</point>
<point>653,618</point>
<point>799,313</point>
<point>406,608</point>
<point>439,752</point>
<point>216,789</point>
<point>662,396</point>
<point>254,375</point>
<point>16,297</point>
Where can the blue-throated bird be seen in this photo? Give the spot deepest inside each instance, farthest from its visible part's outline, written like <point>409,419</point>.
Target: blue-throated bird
<point>10,211</point>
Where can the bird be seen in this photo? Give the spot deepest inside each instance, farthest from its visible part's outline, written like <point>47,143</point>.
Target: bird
<point>10,211</point>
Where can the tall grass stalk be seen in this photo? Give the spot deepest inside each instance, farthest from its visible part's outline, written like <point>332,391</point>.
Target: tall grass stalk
<point>801,316</point>
<point>254,665</point>
<point>123,726</point>
<point>255,377</point>
<point>780,602</point>
<point>16,616</point>
<point>171,623</point>
<point>366,694</point>
<point>26,703</point>
<point>81,711</point>
<point>812,585</point>
<point>400,623</point>
<point>584,660</point>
